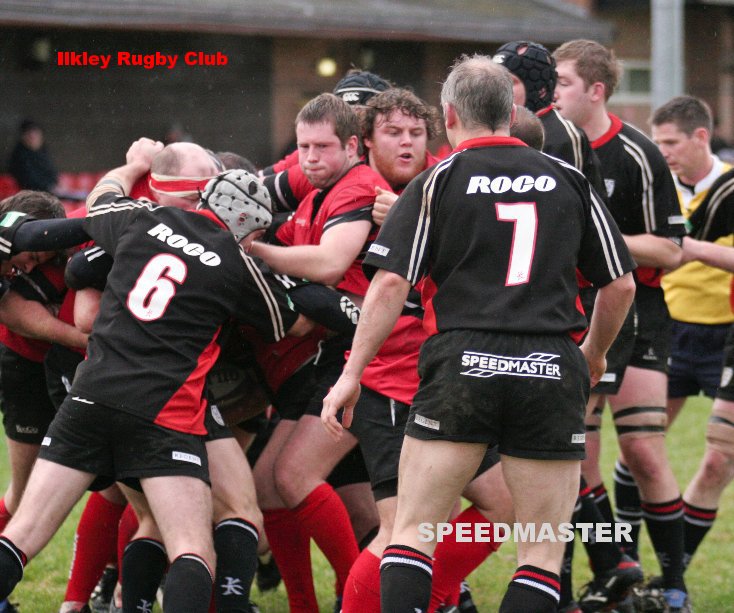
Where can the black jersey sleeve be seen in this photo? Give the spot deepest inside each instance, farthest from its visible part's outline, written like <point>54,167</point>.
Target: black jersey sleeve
<point>110,215</point>
<point>88,268</point>
<point>402,244</point>
<point>264,304</point>
<point>714,217</point>
<point>49,235</point>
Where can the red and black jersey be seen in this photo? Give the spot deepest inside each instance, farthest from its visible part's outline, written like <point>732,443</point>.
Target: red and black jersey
<point>640,189</point>
<point>177,277</point>
<point>498,230</point>
<point>350,199</point>
<point>44,284</point>
<point>567,142</point>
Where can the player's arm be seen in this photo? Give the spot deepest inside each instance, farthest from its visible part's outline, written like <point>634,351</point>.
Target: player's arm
<point>711,254</point>
<point>323,263</point>
<point>32,319</point>
<point>654,251</point>
<point>20,232</point>
<point>610,310</point>
<point>382,307</point>
<point>120,180</point>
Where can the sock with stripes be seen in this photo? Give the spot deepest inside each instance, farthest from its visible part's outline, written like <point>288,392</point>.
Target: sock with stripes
<point>5,515</point>
<point>235,543</point>
<point>405,580</point>
<point>664,521</point>
<point>143,566</point>
<point>188,585</point>
<point>531,589</point>
<point>455,560</point>
<point>627,497</point>
<point>697,522</point>
<point>602,555</point>
<point>601,499</point>
<point>362,591</point>
<point>95,545</point>
<point>12,562</point>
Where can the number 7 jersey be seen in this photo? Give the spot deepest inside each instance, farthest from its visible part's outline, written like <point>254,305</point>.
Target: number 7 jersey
<point>498,230</point>
<point>177,277</point>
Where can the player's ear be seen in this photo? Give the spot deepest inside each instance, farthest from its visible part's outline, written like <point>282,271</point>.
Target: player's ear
<point>449,115</point>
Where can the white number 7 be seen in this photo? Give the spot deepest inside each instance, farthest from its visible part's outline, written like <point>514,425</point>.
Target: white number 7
<point>525,218</point>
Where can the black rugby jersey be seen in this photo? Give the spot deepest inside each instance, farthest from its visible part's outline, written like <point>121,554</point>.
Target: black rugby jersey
<point>569,143</point>
<point>640,189</point>
<point>498,230</point>
<point>177,277</point>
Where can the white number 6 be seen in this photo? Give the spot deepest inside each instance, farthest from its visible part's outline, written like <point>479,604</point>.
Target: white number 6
<point>155,287</point>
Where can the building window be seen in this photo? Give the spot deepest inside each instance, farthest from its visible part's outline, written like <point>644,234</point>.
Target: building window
<point>635,87</point>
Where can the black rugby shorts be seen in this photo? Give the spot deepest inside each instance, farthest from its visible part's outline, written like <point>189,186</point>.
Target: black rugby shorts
<point>526,393</point>
<point>696,358</point>
<point>120,446</point>
<point>27,408</point>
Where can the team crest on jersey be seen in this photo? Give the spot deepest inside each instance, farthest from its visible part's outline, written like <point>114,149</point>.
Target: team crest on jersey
<point>535,365</point>
<point>609,184</point>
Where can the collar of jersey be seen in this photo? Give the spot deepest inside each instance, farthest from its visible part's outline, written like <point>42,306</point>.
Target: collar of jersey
<point>489,141</point>
<point>610,133</point>
<point>545,110</point>
<point>210,215</point>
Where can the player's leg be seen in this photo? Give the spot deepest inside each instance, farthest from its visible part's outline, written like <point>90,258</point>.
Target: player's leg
<point>144,560</point>
<point>289,543</point>
<point>714,473</point>
<point>300,476</point>
<point>187,536</point>
<point>544,492</point>
<point>455,559</point>
<point>433,474</point>
<point>640,419</point>
<point>237,523</point>
<point>51,493</point>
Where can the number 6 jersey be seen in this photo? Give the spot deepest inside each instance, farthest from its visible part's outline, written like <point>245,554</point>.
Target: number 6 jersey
<point>497,229</point>
<point>177,277</point>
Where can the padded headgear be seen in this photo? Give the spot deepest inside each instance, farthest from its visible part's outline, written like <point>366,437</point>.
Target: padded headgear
<point>358,87</point>
<point>239,199</point>
<point>534,65</point>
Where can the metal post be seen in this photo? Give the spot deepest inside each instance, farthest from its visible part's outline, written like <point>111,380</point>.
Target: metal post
<point>668,67</point>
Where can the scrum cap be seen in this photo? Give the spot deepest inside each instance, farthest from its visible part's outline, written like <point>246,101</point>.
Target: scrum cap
<point>240,201</point>
<point>358,87</point>
<point>534,65</point>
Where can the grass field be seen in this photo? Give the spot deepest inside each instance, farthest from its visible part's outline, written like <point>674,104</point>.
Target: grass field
<point>709,578</point>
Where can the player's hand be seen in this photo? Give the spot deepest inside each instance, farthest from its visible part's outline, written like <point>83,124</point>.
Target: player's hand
<point>142,152</point>
<point>383,203</point>
<point>597,363</point>
<point>344,394</point>
<point>251,238</point>
<point>9,224</point>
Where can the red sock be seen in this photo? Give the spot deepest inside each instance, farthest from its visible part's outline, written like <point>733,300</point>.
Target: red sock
<point>324,517</point>
<point>4,515</point>
<point>362,591</point>
<point>291,548</point>
<point>125,531</point>
<point>94,545</point>
<point>455,561</point>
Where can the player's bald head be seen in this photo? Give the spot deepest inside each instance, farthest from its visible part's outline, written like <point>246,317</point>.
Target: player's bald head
<point>185,160</point>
